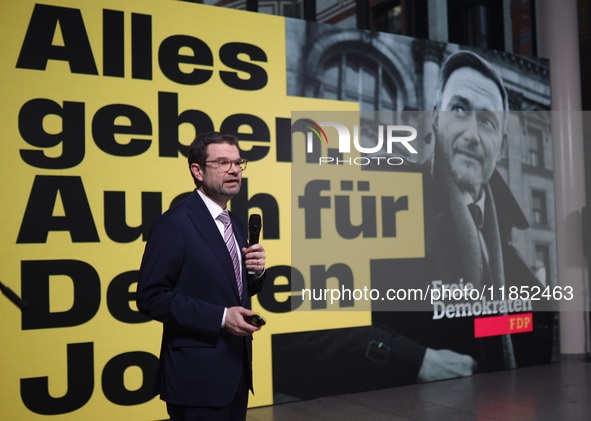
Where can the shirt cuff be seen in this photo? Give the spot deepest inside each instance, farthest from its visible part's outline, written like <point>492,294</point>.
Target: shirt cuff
<point>224,318</point>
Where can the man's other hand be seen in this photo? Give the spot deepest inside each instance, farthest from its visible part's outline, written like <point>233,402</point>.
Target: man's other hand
<point>445,364</point>
<point>235,323</point>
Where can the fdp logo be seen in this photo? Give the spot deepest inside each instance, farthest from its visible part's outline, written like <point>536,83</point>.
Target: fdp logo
<point>387,135</point>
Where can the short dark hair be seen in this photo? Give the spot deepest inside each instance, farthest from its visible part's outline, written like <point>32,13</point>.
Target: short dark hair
<point>198,149</point>
<point>465,58</point>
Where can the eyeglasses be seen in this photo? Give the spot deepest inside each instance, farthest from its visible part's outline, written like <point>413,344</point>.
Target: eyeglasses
<point>224,165</point>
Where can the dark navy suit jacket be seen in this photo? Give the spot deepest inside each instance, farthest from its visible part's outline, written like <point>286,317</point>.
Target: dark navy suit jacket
<point>186,280</point>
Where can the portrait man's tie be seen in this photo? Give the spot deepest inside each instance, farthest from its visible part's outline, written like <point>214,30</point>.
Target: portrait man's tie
<point>476,213</point>
<point>478,218</point>
<point>230,241</point>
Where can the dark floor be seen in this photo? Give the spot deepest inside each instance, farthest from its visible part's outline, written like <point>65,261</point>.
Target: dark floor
<point>560,391</point>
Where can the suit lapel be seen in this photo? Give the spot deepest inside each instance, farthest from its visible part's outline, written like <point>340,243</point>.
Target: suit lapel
<point>201,218</point>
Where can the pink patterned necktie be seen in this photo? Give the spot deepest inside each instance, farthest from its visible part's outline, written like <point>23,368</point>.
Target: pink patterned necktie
<point>230,241</point>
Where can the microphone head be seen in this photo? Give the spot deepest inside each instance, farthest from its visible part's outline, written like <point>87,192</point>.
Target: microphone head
<point>254,220</point>
<point>254,229</point>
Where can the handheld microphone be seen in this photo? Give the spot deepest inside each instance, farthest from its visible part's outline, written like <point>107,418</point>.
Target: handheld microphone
<point>254,229</point>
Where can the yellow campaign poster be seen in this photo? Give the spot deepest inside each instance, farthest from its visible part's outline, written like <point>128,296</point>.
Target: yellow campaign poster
<point>100,101</point>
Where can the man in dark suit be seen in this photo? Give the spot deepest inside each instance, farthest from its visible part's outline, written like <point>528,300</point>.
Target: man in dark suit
<point>195,281</point>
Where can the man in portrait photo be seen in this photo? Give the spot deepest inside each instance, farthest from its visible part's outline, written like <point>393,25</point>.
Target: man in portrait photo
<point>469,216</point>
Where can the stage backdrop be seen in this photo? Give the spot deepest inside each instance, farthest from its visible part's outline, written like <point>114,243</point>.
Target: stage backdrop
<point>100,102</point>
